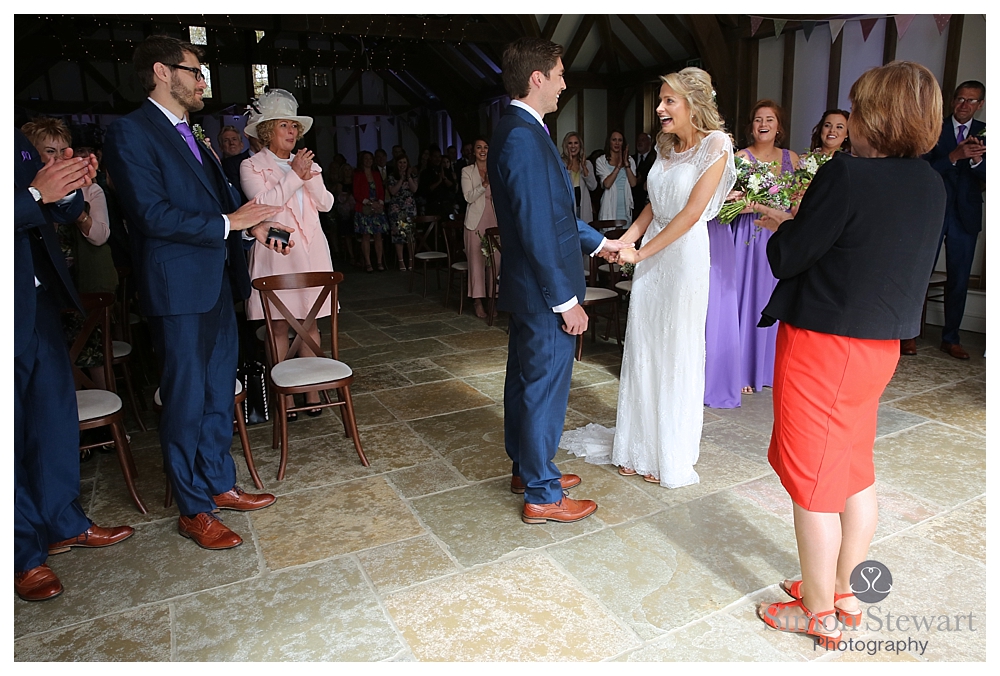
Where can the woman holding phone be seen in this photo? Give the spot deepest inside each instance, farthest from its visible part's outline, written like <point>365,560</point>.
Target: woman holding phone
<point>281,176</point>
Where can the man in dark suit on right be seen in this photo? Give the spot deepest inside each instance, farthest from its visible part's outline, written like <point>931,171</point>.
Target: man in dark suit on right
<point>643,158</point>
<point>960,158</point>
<point>543,280</point>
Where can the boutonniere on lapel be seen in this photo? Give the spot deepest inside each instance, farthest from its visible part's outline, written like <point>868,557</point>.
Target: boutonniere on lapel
<point>199,134</point>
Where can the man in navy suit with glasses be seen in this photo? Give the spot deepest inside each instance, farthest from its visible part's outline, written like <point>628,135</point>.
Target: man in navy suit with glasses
<point>186,240</point>
<point>960,158</point>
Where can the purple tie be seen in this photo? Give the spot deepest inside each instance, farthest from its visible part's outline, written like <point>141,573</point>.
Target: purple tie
<point>185,131</point>
<point>546,128</point>
<point>961,134</point>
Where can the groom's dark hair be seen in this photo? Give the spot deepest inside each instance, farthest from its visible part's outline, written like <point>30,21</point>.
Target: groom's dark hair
<point>160,49</point>
<point>523,57</point>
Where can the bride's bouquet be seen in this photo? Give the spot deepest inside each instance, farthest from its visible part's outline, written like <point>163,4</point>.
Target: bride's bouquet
<point>757,183</point>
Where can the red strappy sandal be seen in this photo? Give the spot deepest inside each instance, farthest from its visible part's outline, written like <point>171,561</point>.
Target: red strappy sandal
<point>770,612</point>
<point>852,620</point>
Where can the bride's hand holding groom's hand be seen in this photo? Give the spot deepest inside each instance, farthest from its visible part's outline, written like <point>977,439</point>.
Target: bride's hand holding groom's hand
<point>612,249</point>
<point>628,256</point>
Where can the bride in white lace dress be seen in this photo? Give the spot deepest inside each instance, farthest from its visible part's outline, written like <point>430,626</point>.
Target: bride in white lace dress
<point>661,394</point>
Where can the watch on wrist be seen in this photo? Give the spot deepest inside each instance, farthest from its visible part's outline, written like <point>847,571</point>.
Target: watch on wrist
<point>35,193</point>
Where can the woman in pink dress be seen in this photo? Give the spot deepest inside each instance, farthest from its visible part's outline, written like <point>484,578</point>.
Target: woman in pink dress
<point>279,176</point>
<point>479,217</point>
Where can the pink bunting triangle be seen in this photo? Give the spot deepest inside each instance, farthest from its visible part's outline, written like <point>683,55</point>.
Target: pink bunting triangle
<point>903,22</point>
<point>835,26</point>
<point>942,21</point>
<point>755,22</point>
<point>866,28</point>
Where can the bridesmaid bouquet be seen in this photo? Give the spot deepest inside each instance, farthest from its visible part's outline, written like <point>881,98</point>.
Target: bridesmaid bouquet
<point>758,184</point>
<point>809,164</point>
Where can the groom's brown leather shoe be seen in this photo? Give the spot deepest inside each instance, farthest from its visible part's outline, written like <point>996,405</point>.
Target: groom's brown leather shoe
<point>908,346</point>
<point>566,510</point>
<point>238,499</point>
<point>955,350</point>
<point>37,584</point>
<point>208,532</point>
<point>95,536</point>
<point>566,482</point>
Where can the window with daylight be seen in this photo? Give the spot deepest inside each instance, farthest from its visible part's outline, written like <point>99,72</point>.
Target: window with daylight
<point>260,35</point>
<point>199,36</point>
<point>260,80</point>
<point>207,73</point>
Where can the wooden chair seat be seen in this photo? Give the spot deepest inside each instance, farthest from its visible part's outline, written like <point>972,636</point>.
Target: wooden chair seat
<point>94,404</point>
<point>424,248</point>
<point>310,373</point>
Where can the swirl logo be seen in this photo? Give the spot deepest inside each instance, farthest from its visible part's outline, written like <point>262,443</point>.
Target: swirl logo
<point>871,581</point>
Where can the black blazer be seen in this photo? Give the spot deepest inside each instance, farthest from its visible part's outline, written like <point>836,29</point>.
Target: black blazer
<point>36,246</point>
<point>639,193</point>
<point>231,167</point>
<point>856,258</point>
<point>963,183</point>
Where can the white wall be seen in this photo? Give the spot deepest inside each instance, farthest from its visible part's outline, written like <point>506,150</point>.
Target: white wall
<point>770,64</point>
<point>858,56</point>
<point>924,45</point>
<point>595,119</point>
<point>812,71</point>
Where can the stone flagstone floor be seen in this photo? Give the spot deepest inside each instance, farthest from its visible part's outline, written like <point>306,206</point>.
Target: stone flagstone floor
<point>423,556</point>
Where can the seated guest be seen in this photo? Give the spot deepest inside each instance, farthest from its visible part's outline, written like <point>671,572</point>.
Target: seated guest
<point>48,518</point>
<point>866,235</point>
<point>278,177</point>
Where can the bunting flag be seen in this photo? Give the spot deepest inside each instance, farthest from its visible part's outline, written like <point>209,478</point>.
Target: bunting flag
<point>835,27</point>
<point>364,127</point>
<point>807,29</point>
<point>942,22</point>
<point>755,22</point>
<point>779,25</point>
<point>866,27</point>
<point>903,22</point>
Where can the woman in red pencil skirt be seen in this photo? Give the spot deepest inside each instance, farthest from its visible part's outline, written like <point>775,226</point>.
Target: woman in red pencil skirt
<point>852,266</point>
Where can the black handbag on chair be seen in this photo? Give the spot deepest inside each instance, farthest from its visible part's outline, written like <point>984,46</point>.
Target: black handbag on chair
<point>253,375</point>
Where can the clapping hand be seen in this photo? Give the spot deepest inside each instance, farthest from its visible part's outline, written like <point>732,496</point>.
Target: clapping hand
<point>302,163</point>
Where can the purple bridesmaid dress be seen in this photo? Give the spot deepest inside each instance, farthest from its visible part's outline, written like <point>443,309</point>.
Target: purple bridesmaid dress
<point>722,325</point>
<point>754,284</point>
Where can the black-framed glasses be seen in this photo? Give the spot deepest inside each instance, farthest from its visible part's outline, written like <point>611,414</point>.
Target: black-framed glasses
<point>198,75</point>
<point>961,99</point>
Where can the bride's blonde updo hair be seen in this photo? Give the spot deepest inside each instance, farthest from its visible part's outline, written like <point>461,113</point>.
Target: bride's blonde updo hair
<point>695,86</point>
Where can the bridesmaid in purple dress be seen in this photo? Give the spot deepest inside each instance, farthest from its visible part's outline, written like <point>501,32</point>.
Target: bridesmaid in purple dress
<point>722,325</point>
<point>754,281</point>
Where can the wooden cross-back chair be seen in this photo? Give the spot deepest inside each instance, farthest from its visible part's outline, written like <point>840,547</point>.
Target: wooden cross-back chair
<point>98,407</point>
<point>493,288</point>
<point>294,375</point>
<point>458,260</point>
<point>424,248</point>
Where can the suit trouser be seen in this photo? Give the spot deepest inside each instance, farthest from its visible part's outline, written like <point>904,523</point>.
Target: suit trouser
<point>199,354</point>
<point>536,392</point>
<point>46,442</point>
<point>960,249</point>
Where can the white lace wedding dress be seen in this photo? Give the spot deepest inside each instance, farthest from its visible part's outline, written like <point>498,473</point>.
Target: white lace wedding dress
<point>660,397</point>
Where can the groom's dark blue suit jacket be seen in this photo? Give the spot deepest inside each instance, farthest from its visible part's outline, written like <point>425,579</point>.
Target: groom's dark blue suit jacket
<point>541,266</point>
<point>962,181</point>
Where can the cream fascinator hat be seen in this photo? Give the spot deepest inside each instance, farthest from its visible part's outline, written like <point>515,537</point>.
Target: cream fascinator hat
<point>275,104</point>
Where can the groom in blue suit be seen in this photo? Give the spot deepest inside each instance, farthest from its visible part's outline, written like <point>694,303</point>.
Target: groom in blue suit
<point>186,244</point>
<point>543,281</point>
<point>960,158</point>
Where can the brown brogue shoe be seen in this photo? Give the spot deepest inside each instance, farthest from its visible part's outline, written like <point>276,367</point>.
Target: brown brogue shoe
<point>239,500</point>
<point>95,536</point>
<point>566,482</point>
<point>908,346</point>
<point>955,350</point>
<point>566,510</point>
<point>37,584</point>
<point>208,532</point>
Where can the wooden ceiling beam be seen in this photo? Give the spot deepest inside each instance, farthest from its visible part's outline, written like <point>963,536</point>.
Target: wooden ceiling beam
<point>625,53</point>
<point>607,40</point>
<point>529,24</point>
<point>680,33</point>
<point>645,38</point>
<point>456,64</point>
<point>578,39</point>
<point>550,26</point>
